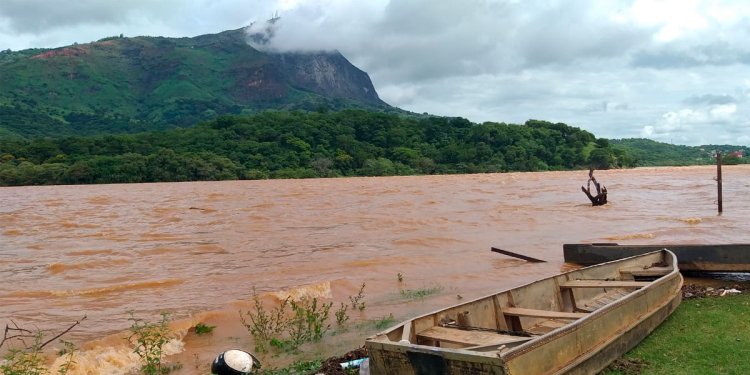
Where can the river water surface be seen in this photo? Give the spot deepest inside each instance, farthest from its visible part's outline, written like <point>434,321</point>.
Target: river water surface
<point>198,250</point>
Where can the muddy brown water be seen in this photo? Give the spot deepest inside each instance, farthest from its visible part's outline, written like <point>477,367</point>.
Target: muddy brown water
<point>198,250</point>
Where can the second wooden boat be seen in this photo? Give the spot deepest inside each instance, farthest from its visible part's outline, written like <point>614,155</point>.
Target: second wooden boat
<point>696,257</point>
<point>573,323</point>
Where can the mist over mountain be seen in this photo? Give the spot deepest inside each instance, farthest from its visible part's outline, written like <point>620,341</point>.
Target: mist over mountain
<point>123,85</point>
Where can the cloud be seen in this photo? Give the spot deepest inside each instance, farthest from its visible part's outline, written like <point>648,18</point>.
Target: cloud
<point>692,126</point>
<point>427,39</point>
<point>674,56</point>
<point>671,69</point>
<point>36,16</point>
<point>605,106</point>
<point>321,25</point>
<point>708,99</point>
<point>48,23</point>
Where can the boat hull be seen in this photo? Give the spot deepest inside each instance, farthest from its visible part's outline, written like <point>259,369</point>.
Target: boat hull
<point>624,342</point>
<point>587,343</point>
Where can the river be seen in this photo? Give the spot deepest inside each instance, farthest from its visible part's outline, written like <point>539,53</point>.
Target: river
<point>200,250</point>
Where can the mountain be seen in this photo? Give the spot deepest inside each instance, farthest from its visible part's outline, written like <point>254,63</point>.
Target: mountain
<point>123,85</point>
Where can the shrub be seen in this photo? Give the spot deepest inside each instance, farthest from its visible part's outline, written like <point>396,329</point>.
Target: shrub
<point>149,340</point>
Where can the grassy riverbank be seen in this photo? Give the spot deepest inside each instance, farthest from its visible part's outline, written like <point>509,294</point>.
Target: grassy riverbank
<point>703,336</point>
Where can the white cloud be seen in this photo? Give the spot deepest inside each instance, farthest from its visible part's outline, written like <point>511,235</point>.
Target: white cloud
<point>674,18</point>
<point>723,112</point>
<point>694,126</point>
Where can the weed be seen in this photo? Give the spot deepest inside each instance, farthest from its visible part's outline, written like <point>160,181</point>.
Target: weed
<point>68,350</point>
<point>356,301</point>
<point>310,367</point>
<point>202,328</point>
<point>385,322</point>
<point>264,325</point>
<point>30,360</point>
<point>400,277</point>
<point>286,330</point>
<point>314,317</point>
<point>420,293</point>
<point>341,315</point>
<point>25,362</point>
<point>308,323</point>
<point>172,367</point>
<point>149,340</point>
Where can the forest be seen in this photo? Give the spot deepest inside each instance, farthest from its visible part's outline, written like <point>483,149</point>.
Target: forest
<point>652,153</point>
<point>278,144</point>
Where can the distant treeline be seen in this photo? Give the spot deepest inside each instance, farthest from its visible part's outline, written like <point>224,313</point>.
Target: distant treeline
<point>303,145</point>
<point>652,153</point>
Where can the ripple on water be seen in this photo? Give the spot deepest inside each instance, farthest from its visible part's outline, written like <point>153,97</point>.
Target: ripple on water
<point>120,288</point>
<point>632,236</point>
<point>691,220</point>
<point>57,268</point>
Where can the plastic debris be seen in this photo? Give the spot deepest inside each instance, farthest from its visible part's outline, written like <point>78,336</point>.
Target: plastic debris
<point>353,363</point>
<point>729,292</point>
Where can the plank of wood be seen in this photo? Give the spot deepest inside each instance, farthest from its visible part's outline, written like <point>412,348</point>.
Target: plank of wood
<point>516,255</point>
<point>549,314</point>
<point>406,333</point>
<point>604,284</point>
<point>646,272</point>
<point>468,338</point>
<point>552,324</point>
<point>546,326</point>
<point>601,301</point>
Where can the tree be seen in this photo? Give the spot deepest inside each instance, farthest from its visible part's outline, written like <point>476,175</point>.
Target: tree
<point>601,158</point>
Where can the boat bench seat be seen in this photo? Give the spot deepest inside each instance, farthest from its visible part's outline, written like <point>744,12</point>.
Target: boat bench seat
<point>646,272</point>
<point>468,338</point>
<point>603,284</point>
<point>534,313</point>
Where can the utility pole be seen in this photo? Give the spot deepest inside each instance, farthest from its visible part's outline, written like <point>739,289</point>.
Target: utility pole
<point>718,179</point>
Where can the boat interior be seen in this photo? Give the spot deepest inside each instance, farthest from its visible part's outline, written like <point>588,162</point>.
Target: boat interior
<point>507,319</point>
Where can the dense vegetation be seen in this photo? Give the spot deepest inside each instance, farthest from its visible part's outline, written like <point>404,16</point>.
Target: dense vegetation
<point>303,144</point>
<point>652,153</point>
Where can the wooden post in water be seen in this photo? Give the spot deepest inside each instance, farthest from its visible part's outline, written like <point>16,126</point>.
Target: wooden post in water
<point>718,179</point>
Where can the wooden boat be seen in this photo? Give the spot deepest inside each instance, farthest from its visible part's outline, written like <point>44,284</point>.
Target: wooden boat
<point>573,323</point>
<point>708,258</point>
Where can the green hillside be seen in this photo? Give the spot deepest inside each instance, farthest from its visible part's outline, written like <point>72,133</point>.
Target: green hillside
<point>652,153</point>
<point>126,85</point>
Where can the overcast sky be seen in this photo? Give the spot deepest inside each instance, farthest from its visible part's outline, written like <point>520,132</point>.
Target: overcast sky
<point>673,71</point>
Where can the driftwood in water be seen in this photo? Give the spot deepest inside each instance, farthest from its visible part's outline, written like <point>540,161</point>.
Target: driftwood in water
<point>601,191</point>
<point>516,255</point>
